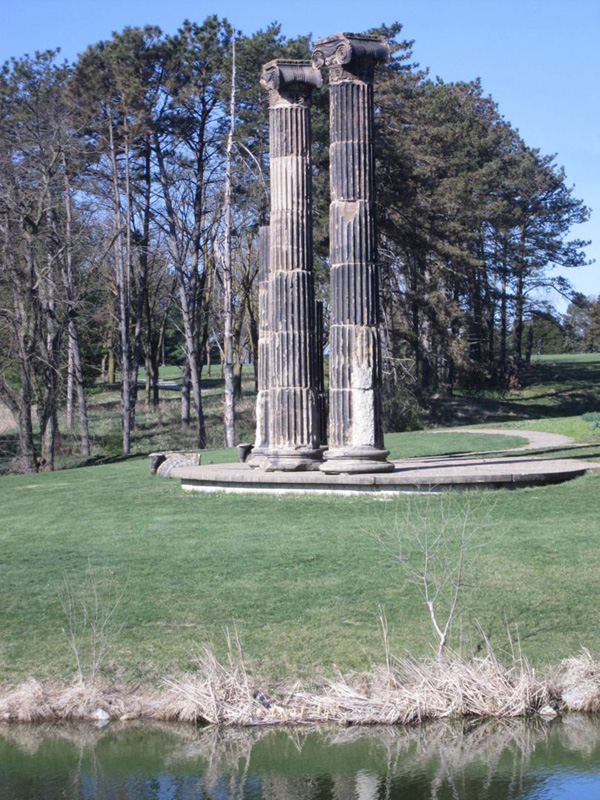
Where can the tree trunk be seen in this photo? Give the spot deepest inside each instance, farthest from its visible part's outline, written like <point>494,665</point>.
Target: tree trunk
<point>189,289</point>
<point>84,433</point>
<point>228,344</point>
<point>519,303</point>
<point>75,377</point>
<point>123,297</point>
<point>529,345</point>
<point>24,419</point>
<point>70,399</point>
<point>185,395</point>
<point>208,361</point>
<point>111,367</point>
<point>142,281</point>
<point>24,413</point>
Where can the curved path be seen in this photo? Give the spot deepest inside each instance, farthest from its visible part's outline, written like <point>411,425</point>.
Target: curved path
<point>537,439</point>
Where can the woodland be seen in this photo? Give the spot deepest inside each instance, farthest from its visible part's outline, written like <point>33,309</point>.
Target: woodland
<point>133,183</point>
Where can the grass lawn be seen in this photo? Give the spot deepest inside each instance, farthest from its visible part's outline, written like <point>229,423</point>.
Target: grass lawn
<point>554,387</point>
<point>302,579</point>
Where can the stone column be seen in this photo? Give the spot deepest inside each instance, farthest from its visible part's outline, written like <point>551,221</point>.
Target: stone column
<point>355,425</point>
<point>294,442</point>
<point>319,369</point>
<point>261,442</point>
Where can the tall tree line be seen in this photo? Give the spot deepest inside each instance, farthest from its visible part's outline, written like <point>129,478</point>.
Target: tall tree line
<point>132,186</point>
<point>473,222</point>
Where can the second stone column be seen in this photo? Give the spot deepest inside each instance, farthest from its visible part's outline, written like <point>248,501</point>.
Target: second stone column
<point>355,416</point>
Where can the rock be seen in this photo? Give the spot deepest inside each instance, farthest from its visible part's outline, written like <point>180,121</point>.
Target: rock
<point>100,714</point>
<point>261,698</point>
<point>548,712</point>
<point>156,459</point>
<point>174,460</point>
<point>579,698</point>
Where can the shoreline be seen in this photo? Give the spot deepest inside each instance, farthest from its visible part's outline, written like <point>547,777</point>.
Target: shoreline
<point>404,692</point>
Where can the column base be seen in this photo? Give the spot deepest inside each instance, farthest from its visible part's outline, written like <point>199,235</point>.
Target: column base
<point>256,458</point>
<point>292,460</point>
<point>354,460</point>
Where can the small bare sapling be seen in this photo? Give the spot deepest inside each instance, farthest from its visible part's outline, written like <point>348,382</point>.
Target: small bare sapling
<point>435,540</point>
<point>90,609</point>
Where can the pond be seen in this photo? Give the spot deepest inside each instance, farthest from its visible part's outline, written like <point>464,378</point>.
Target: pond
<point>133,761</point>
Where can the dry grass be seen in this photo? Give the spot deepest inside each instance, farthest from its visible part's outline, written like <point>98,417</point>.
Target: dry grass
<point>403,692</point>
<point>576,683</point>
<point>33,701</point>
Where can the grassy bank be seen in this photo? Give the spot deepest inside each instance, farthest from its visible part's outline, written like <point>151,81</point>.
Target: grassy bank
<point>555,387</point>
<point>301,580</point>
<point>156,428</point>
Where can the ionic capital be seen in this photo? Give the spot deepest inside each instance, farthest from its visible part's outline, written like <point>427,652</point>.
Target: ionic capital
<point>290,81</point>
<point>350,56</point>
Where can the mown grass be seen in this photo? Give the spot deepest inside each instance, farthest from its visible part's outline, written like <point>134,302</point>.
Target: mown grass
<point>156,428</point>
<point>302,579</point>
<point>567,385</point>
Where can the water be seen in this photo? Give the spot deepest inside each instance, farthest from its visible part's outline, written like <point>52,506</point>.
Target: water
<point>131,761</point>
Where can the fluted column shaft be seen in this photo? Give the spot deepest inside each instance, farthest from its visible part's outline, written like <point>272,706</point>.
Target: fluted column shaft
<point>294,424</point>
<point>355,416</point>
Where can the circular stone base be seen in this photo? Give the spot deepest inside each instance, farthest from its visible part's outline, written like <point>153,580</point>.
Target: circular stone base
<point>356,461</point>
<point>291,460</point>
<point>432,474</point>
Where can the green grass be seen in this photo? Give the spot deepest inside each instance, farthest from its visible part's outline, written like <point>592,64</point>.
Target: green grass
<point>302,579</point>
<point>156,428</point>
<point>554,387</point>
<point>414,444</point>
<point>432,443</point>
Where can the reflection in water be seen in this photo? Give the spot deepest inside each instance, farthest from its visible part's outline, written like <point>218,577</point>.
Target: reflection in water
<point>133,761</point>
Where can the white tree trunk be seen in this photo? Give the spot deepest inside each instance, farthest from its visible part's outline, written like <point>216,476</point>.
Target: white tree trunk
<point>227,275</point>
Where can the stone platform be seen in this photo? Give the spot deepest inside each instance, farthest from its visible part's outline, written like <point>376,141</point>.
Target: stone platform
<point>430,474</point>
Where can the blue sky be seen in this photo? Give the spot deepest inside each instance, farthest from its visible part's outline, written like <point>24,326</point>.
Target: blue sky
<point>539,59</point>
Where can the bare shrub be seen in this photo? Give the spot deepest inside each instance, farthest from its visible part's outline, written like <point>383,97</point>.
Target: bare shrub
<point>435,541</point>
<point>90,612</point>
<point>220,693</point>
<point>405,691</point>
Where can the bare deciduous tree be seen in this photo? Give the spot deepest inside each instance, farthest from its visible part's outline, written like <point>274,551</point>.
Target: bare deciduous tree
<point>435,540</point>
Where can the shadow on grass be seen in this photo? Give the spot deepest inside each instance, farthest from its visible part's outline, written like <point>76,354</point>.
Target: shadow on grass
<point>562,372</point>
<point>96,461</point>
<point>9,450</point>
<point>548,389</point>
<point>473,409</point>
